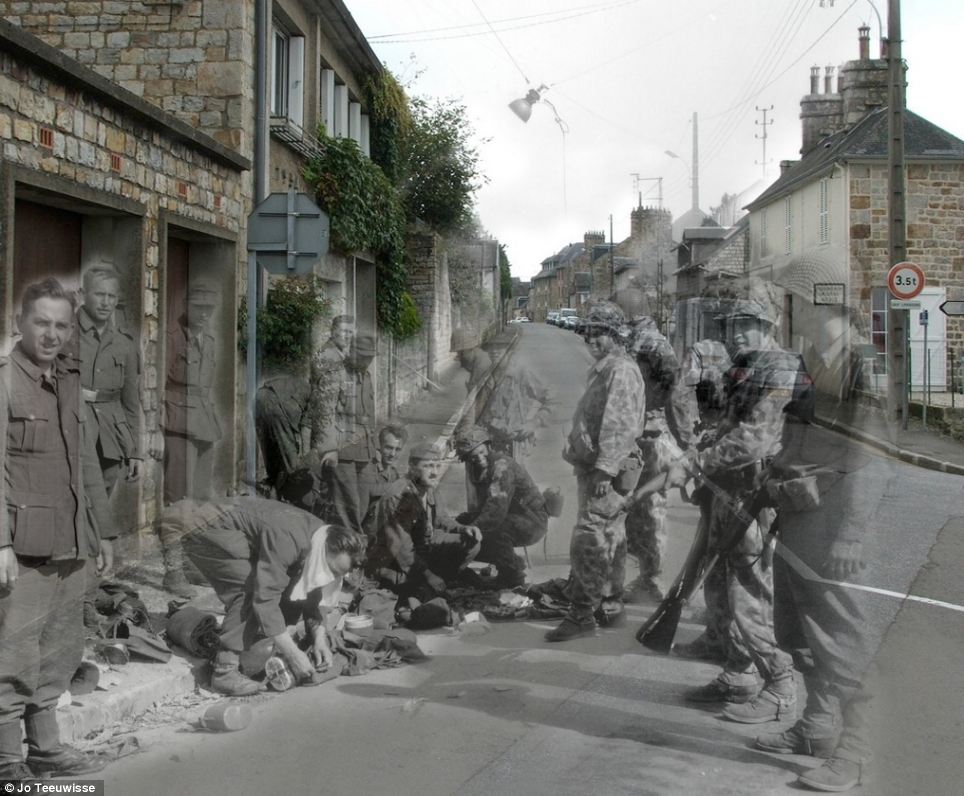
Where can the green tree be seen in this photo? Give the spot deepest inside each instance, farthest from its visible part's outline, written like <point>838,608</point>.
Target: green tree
<point>505,273</point>
<point>439,168</point>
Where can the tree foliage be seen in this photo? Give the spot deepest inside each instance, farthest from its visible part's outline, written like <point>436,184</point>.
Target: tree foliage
<point>505,273</point>
<point>292,306</point>
<point>440,166</point>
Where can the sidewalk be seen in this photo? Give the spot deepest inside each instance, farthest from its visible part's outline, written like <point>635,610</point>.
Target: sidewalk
<point>135,689</point>
<point>924,447</point>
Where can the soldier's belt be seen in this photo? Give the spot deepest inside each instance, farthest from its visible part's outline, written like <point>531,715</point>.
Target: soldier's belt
<point>101,396</point>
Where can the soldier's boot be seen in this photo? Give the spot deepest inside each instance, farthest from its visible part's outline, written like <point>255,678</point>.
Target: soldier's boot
<point>227,679</point>
<point>576,624</point>
<point>720,691</point>
<point>12,766</point>
<point>174,580</point>
<point>835,776</point>
<point>702,648</point>
<point>46,755</point>
<point>795,741</point>
<point>642,590</point>
<point>776,702</point>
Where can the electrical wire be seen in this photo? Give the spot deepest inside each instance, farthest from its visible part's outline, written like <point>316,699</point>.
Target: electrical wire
<point>589,9</point>
<point>498,38</point>
<point>475,34</point>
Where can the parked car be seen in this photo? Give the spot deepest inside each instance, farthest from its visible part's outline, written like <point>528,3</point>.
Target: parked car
<point>569,322</point>
<point>552,317</point>
<point>564,314</point>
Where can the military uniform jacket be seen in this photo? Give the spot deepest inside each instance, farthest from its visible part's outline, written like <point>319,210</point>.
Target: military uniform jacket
<point>56,504</point>
<point>517,403</point>
<point>188,408</point>
<point>277,537</point>
<point>355,418</point>
<point>751,431</point>
<point>610,415</point>
<point>110,367</point>
<point>504,488</point>
<point>698,396</point>
<point>331,393</point>
<point>407,525</point>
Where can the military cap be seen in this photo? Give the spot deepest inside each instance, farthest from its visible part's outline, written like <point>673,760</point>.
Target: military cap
<point>469,439</point>
<point>425,451</point>
<point>202,291</point>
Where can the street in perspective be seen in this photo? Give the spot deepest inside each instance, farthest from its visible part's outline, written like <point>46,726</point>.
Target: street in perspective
<point>475,398</point>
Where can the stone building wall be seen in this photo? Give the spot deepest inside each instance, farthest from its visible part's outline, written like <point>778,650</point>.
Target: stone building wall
<point>935,232</point>
<point>63,134</point>
<point>189,58</point>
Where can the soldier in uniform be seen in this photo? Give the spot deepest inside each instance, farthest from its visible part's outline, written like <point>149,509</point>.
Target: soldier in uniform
<point>263,559</point>
<point>646,520</point>
<point>416,549</point>
<point>191,425</point>
<point>607,421</point>
<point>109,375</point>
<point>55,519</point>
<point>749,437</point>
<point>330,396</point>
<point>348,477</point>
<point>504,503</point>
<point>382,472</point>
<point>829,539</point>
<point>519,404</point>
<point>280,414</point>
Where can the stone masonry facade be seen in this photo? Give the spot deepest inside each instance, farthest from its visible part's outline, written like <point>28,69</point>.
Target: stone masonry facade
<point>56,128</point>
<point>188,58</point>
<point>935,232</point>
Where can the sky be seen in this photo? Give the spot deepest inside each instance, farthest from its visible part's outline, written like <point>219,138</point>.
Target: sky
<point>625,77</point>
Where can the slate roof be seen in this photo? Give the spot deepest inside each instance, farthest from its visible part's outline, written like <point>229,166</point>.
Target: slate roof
<point>867,140</point>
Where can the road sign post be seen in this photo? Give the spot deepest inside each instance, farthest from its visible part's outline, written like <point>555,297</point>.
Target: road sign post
<point>905,281</point>
<point>287,233</point>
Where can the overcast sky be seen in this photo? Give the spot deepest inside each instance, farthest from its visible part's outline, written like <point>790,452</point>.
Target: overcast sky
<point>626,77</point>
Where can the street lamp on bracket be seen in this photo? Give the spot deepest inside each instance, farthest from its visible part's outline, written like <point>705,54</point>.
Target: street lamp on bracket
<point>522,107</point>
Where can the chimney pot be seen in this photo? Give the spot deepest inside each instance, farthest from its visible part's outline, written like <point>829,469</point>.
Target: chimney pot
<point>828,80</point>
<point>814,79</point>
<point>864,40</point>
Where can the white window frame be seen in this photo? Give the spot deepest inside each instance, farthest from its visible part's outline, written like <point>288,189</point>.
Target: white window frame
<point>824,230</point>
<point>287,87</point>
<point>788,225</point>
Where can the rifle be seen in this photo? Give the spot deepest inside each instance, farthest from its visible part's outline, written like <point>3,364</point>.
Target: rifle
<point>657,632</point>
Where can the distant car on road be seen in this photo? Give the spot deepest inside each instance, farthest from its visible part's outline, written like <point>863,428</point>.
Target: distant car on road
<point>564,314</point>
<point>552,317</point>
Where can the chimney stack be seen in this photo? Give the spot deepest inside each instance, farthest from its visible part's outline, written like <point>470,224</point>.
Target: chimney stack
<point>828,80</point>
<point>786,165</point>
<point>814,79</point>
<point>864,33</point>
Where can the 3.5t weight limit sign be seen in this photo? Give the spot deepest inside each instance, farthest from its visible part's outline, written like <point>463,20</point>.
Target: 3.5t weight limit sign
<point>905,281</point>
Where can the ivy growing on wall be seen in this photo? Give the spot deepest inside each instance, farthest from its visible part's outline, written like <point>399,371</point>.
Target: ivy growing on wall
<point>366,215</point>
<point>391,122</point>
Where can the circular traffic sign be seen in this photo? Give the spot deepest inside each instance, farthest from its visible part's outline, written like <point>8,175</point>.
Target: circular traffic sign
<point>905,280</point>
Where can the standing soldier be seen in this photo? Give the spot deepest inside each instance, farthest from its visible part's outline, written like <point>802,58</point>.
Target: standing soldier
<point>609,418</point>
<point>646,520</point>
<point>519,404</point>
<point>53,520</point>
<point>355,417</point>
<point>109,375</point>
<point>330,391</point>
<point>749,437</point>
<point>280,411</point>
<point>191,425</point>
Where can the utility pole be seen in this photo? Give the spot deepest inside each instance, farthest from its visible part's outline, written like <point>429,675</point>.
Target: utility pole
<point>765,124</point>
<point>694,164</point>
<point>659,253</point>
<point>612,267</point>
<point>898,344</point>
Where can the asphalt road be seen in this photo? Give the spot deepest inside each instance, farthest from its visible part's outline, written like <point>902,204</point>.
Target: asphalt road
<point>506,713</point>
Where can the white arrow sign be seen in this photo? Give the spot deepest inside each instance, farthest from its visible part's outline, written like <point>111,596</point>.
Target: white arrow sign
<point>952,308</point>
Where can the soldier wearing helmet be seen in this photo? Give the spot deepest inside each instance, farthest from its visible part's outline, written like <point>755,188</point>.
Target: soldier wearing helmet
<point>646,519</point>
<point>749,437</point>
<point>607,421</point>
<point>503,502</point>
